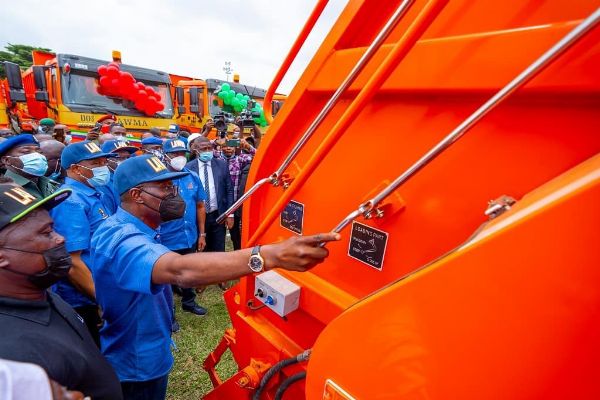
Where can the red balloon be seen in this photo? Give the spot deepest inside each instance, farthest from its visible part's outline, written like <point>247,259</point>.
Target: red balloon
<point>114,64</point>
<point>150,91</point>
<point>140,95</point>
<point>100,91</point>
<point>127,77</point>
<point>102,70</point>
<point>157,95</point>
<point>115,82</point>
<point>104,81</point>
<point>112,72</point>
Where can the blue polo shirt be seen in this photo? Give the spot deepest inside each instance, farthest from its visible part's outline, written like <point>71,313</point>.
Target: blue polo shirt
<point>113,199</point>
<point>136,335</point>
<point>183,233</point>
<point>77,218</point>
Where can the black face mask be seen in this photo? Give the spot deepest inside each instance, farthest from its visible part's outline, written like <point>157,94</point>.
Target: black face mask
<point>58,264</point>
<point>170,207</point>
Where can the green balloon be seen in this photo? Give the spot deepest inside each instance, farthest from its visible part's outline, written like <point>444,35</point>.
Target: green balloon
<point>227,100</point>
<point>239,96</point>
<point>222,94</point>
<point>246,97</point>
<point>231,94</point>
<point>235,102</point>
<point>225,87</point>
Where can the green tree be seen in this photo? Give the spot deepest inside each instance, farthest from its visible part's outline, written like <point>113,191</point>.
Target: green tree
<point>19,54</point>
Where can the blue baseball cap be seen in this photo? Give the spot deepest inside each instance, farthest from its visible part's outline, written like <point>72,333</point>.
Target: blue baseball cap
<point>77,152</point>
<point>152,141</point>
<point>174,145</point>
<point>111,146</point>
<point>17,141</point>
<point>146,168</point>
<point>173,128</point>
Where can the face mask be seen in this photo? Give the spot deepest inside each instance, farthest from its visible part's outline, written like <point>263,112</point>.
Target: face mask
<point>58,264</point>
<point>170,208</point>
<point>205,156</point>
<point>33,164</point>
<point>178,163</point>
<point>101,175</point>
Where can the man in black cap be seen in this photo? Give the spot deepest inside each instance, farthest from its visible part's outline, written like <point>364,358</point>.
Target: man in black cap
<point>36,326</point>
<point>76,219</point>
<point>133,272</point>
<point>26,165</point>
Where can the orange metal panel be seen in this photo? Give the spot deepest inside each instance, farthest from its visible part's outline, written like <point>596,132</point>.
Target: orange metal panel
<point>512,314</point>
<point>543,130</point>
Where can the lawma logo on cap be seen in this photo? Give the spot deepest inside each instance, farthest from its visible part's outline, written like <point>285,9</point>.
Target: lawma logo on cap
<point>20,195</point>
<point>92,147</point>
<point>156,164</point>
<point>177,143</point>
<point>119,144</point>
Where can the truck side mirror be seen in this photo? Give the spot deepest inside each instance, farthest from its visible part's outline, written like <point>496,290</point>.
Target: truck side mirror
<point>39,81</point>
<point>194,100</point>
<point>15,82</point>
<point>179,100</point>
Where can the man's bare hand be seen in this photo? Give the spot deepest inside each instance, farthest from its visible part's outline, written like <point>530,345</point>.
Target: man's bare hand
<point>298,253</point>
<point>92,135</point>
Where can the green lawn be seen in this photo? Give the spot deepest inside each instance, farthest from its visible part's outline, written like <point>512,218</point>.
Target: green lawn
<point>198,337</point>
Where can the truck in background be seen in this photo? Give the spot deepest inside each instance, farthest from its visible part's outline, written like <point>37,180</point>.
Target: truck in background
<point>64,87</point>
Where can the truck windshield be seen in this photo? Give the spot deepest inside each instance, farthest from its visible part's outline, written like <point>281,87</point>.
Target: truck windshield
<point>81,90</point>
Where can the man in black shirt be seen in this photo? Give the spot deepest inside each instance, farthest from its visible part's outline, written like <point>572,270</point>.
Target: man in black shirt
<point>36,326</point>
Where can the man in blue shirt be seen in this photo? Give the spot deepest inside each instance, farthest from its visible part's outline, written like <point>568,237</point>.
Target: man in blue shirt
<point>122,151</point>
<point>76,219</point>
<point>185,235</point>
<point>132,270</point>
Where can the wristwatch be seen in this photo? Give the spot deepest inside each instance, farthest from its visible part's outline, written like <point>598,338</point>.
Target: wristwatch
<point>256,262</point>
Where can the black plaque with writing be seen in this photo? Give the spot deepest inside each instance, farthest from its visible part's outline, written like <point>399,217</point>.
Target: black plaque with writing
<point>368,245</point>
<point>292,217</point>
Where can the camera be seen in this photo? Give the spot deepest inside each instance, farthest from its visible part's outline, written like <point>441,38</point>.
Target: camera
<point>221,120</point>
<point>247,122</point>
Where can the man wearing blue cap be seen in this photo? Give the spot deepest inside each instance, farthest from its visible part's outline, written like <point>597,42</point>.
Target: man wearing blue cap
<point>76,219</point>
<point>153,145</point>
<point>122,151</point>
<point>26,166</point>
<point>132,270</point>
<point>185,235</point>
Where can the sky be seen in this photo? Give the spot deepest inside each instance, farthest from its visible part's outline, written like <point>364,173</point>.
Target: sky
<point>186,37</point>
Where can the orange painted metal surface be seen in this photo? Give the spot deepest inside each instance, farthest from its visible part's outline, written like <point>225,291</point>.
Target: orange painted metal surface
<point>512,314</point>
<point>548,127</point>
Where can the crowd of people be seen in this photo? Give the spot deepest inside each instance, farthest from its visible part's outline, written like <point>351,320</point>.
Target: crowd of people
<point>97,235</point>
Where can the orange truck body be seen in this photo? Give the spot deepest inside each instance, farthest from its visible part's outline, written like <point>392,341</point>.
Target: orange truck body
<point>460,306</point>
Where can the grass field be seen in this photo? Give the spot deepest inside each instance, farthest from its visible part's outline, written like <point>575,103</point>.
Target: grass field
<point>198,337</point>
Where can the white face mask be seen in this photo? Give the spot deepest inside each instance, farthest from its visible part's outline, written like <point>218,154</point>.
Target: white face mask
<point>178,163</point>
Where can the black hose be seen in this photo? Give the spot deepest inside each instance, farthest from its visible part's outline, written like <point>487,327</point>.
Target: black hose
<point>276,368</point>
<point>288,382</point>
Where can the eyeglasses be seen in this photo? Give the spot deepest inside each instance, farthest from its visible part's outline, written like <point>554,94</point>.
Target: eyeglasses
<point>170,189</point>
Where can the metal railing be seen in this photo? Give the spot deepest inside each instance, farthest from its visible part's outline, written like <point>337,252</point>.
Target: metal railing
<point>529,73</point>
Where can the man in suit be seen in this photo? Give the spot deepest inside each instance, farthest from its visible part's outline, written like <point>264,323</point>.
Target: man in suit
<point>214,174</point>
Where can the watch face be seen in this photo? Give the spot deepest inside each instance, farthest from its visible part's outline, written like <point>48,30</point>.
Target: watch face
<point>256,263</point>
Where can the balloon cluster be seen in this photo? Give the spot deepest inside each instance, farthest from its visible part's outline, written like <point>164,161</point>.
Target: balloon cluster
<point>116,83</point>
<point>238,102</point>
